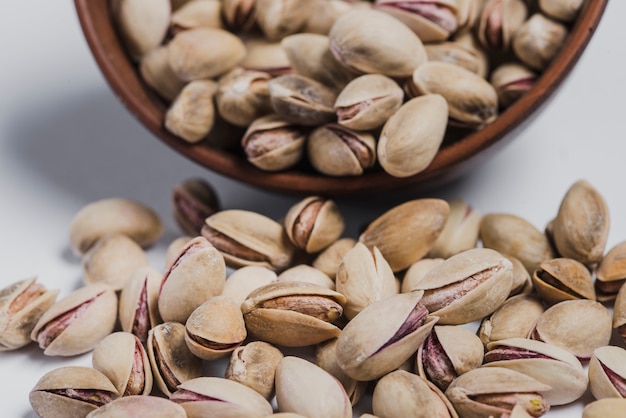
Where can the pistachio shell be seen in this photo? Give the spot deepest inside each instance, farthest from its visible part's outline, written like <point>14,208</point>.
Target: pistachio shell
<point>192,114</point>
<point>314,223</point>
<point>511,81</point>
<point>565,10</point>
<point>194,200</point>
<point>254,365</point>
<point>142,24</point>
<point>432,21</point>
<point>198,13</point>
<point>563,279</point>
<point>246,279</point>
<point>277,19</point>
<point>323,15</point>
<point>522,282</point>
<point>239,14</point>
<point>138,307</point>
<point>500,20</point>
<point>266,56</point>
<point>135,406</point>
<point>460,232</point>
<point>302,100</point>
<point>607,372</point>
<point>243,96</point>
<point>308,274</point>
<point>538,40</point>
<point>619,311</point>
<point>329,259</point>
<point>417,271</point>
<point>459,54</point>
<point>156,71</point>
<point>605,408</point>
<point>514,318</point>
<point>611,272</point>
<point>326,358</point>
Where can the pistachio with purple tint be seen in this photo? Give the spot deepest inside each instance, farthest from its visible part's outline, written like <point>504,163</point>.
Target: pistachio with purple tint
<point>549,364</point>
<point>302,100</point>
<point>138,307</point>
<point>314,223</point>
<point>326,358</point>
<point>193,201</point>
<point>254,365</point>
<point>383,336</point>
<point>514,318</point>
<point>619,313</point>
<point>460,232</point>
<point>243,96</point>
<point>138,405</point>
<point>213,397</point>
<point>611,272</point>
<point>563,279</point>
<point>431,20</point>
<point>21,305</point>
<point>511,81</point>
<point>607,372</point>
<point>76,323</point>
<point>72,391</point>
<point>171,361</point>
<point>499,21</point>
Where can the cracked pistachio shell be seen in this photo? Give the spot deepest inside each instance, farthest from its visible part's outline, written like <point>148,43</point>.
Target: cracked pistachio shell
<point>121,357</point>
<point>301,384</point>
<point>368,101</point>
<point>619,312</point>
<point>364,277</point>
<point>249,238</point>
<point>202,53</point>
<point>171,361</point>
<point>197,13</point>
<point>106,216</point>
<point>605,408</point>
<point>112,260</point>
<point>138,307</point>
<point>302,100</point>
<point>479,392</point>
<point>335,150</point>
<point>579,326</point>
<point>448,352</point>
<point>538,41</point>
<point>277,19</point>
<point>215,328</point>
<point>460,232</point>
<point>323,15</point>
<point>156,71</point>
<point>77,322</point>
<point>432,21</point>
<point>412,136</point>
<point>511,81</point>
<point>563,279</point>
<point>549,364</point>
<point>512,235</point>
<point>139,406</point>
<point>457,53</point>
<point>417,271</point>
<point>54,395</point>
<point>499,21</point>
<point>239,14</point>
<point>310,56</point>
<point>246,279</point>
<point>467,286</point>
<point>308,274</point>
<point>293,314</point>
<point>193,201</point>
<point>515,318</point>
<point>195,276</point>
<point>383,336</point>
<point>191,115</point>
<point>472,101</point>
<point>243,96</point>
<point>581,226</point>
<point>142,24</point>
<point>404,394</point>
<point>329,259</point>
<point>254,365</point>
<point>21,305</point>
<point>214,397</point>
<point>265,56</point>
<point>611,272</point>
<point>607,372</point>
<point>420,221</point>
<point>564,10</point>
<point>370,41</point>
<point>314,223</point>
<point>326,358</point>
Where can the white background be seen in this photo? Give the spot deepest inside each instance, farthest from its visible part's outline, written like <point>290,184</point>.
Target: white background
<point>65,141</point>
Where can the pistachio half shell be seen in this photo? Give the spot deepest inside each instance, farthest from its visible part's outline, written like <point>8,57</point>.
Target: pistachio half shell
<point>607,372</point>
<point>563,279</point>
<point>611,272</point>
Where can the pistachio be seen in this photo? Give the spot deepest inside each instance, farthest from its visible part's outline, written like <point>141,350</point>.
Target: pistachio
<point>499,21</point>
<point>563,279</point>
<point>364,277</point>
<point>215,328</point>
<point>370,41</point>
<point>293,314</point>
<point>326,358</point>
<point>323,15</point>
<point>457,53</point>
<point>156,71</point>
<point>112,260</point>
<point>329,259</point>
<point>522,282</point>
<point>460,232</point>
<point>243,96</point>
<point>302,100</point>
<point>142,24</point>
<point>76,323</point>
<point>383,336</point>
<point>246,279</point>
<point>619,313</point>
<point>467,286</point>
<point>338,151</point>
<point>581,226</point>
<point>239,14</point>
<point>611,272</point>
<point>192,114</point>
<point>314,223</point>
<point>411,137</point>
<point>197,13</point>
<point>472,101</point>
<point>171,361</point>
<point>114,215</point>
<point>21,305</point>
<point>368,101</point>
<point>605,408</point>
<point>138,307</point>
<point>417,271</point>
<point>216,397</point>
<point>538,41</point>
<point>136,405</point>
<point>431,20</point>
<point>174,248</point>
<point>308,274</point>
<point>248,238</point>
<point>194,200</point>
<point>549,364</point>
<point>564,10</point>
<point>514,318</point>
<point>511,81</point>
<point>301,384</point>
<point>467,14</point>
<point>278,19</point>
<point>196,275</point>
<point>421,219</point>
<point>265,56</point>
<point>467,40</point>
<point>121,357</point>
<point>607,372</point>
<point>203,53</point>
<point>71,391</point>
<point>254,365</point>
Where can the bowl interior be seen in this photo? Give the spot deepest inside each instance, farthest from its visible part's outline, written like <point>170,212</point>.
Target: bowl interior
<point>460,151</point>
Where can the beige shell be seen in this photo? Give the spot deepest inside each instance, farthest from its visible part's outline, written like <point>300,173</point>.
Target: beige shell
<point>460,232</point>
<point>302,100</point>
<point>605,408</point>
<point>514,318</point>
<point>457,53</point>
<point>308,274</point>
<point>416,272</point>
<point>138,307</point>
<point>243,96</point>
<point>198,13</point>
<point>277,19</point>
<point>607,372</point>
<point>564,10</point>
<point>323,15</point>
<point>142,24</point>
<point>499,21</point>
<point>422,220</point>
<point>468,12</point>
<point>265,56</point>
<point>511,81</point>
<point>239,14</point>
<point>193,200</point>
<point>563,279</point>
<point>121,357</point>
<point>246,279</point>
<point>522,281</point>
<point>137,405</point>
<point>329,259</point>
<point>619,312</point>
<point>314,223</point>
<point>436,28</point>
<point>326,358</point>
<point>191,115</point>
<point>538,41</point>
<point>254,365</point>
<point>174,248</point>
<point>156,71</point>
<point>611,272</point>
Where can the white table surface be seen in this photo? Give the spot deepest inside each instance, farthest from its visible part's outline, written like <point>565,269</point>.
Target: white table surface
<point>65,141</point>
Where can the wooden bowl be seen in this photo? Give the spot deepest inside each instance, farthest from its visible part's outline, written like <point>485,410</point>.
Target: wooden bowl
<point>453,159</point>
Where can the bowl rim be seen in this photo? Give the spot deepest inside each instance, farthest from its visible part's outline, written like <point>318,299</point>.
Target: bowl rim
<point>450,162</point>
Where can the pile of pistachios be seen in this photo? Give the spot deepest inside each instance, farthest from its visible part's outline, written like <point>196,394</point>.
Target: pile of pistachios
<point>340,86</point>
<point>389,314</point>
